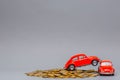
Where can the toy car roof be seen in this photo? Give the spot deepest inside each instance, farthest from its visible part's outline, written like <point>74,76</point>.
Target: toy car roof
<point>79,54</point>
<point>105,61</point>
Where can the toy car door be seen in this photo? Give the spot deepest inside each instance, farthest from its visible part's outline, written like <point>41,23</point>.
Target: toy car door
<point>75,61</point>
<point>83,60</point>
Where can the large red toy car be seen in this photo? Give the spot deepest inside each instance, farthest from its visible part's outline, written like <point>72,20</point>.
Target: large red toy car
<point>81,60</point>
<point>106,68</point>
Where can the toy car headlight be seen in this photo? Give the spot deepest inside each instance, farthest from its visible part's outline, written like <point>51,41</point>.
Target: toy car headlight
<point>112,70</point>
<point>102,70</point>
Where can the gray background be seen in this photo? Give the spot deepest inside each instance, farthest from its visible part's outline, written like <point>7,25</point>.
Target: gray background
<point>43,34</point>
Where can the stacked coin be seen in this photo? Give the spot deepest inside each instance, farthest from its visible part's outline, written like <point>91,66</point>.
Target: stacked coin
<point>61,73</point>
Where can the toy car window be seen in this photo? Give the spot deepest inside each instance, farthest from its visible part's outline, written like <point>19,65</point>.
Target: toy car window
<point>81,57</point>
<point>74,59</point>
<point>106,64</point>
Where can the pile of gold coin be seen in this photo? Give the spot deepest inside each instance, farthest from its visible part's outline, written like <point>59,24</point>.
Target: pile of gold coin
<point>61,73</point>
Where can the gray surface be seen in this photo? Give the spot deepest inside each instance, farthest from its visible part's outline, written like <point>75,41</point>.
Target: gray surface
<point>43,34</point>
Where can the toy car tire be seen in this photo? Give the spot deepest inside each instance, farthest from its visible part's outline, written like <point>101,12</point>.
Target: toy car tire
<point>71,67</point>
<point>112,74</point>
<point>101,74</point>
<point>94,62</point>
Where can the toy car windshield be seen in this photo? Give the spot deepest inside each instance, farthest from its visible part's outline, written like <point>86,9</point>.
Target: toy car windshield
<point>106,64</point>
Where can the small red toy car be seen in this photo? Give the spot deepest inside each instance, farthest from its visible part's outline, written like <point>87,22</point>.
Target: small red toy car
<point>106,68</point>
<point>80,60</point>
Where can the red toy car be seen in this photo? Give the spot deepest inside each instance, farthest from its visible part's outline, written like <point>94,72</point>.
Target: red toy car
<point>80,60</point>
<point>106,68</point>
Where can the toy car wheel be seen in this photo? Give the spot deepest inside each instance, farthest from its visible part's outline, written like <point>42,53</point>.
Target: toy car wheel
<point>94,62</point>
<point>71,67</point>
<point>112,74</point>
